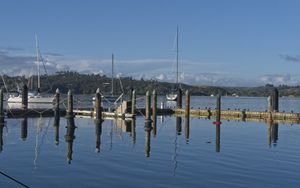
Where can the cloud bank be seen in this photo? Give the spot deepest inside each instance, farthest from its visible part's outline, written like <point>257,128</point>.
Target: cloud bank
<point>155,69</point>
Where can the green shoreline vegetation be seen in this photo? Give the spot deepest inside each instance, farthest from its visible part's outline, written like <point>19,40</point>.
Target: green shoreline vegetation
<point>88,83</point>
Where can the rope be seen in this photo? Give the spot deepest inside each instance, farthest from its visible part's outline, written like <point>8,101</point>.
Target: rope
<point>13,179</point>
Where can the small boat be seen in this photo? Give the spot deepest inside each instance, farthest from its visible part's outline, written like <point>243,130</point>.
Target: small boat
<point>171,97</point>
<point>34,97</point>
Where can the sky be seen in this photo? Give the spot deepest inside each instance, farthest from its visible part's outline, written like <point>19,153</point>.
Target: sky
<point>221,42</point>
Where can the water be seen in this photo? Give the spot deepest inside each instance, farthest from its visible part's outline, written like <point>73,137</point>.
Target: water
<point>239,154</point>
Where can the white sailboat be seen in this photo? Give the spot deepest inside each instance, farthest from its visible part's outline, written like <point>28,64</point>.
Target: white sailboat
<point>34,97</point>
<point>173,95</point>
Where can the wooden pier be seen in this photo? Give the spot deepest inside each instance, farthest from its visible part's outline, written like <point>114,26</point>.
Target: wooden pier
<point>128,109</point>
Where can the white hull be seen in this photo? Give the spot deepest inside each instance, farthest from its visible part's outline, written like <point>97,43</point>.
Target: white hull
<point>43,100</point>
<point>171,97</point>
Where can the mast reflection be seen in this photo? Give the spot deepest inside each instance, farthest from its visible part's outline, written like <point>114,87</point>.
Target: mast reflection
<point>69,138</point>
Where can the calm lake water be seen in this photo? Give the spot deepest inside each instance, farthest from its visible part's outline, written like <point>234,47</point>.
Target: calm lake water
<point>125,154</point>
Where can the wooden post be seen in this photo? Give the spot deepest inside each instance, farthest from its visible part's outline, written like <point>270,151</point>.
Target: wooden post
<point>25,97</point>
<point>270,104</point>
<point>148,106</point>
<point>98,109</point>
<point>154,111</point>
<point>1,106</point>
<point>56,116</point>
<point>70,105</point>
<point>178,125</point>
<point>133,103</point>
<point>275,100</point>
<point>218,109</point>
<point>187,104</point>
<point>179,98</point>
<point>187,116</point>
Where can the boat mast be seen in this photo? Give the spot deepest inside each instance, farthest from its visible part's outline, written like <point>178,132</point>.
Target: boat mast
<point>112,74</point>
<point>38,63</point>
<point>177,51</point>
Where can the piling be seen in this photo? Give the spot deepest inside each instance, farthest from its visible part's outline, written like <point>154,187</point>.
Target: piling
<point>275,100</point>
<point>56,116</point>
<point>1,106</point>
<point>270,104</point>
<point>179,98</point>
<point>154,111</point>
<point>187,104</point>
<point>70,105</point>
<point>218,110</point>
<point>133,102</point>
<point>148,107</point>
<point>25,97</point>
<point>98,108</point>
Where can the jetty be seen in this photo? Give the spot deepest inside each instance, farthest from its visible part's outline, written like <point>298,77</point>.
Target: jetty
<point>128,109</point>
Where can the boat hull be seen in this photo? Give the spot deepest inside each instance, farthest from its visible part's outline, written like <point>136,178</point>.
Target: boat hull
<point>43,100</point>
<point>171,97</point>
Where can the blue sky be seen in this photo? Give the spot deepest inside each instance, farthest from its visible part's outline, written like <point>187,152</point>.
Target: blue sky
<point>222,42</point>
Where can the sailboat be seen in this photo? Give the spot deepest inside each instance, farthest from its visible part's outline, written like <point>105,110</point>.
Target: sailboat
<point>173,95</point>
<point>110,97</point>
<point>34,97</point>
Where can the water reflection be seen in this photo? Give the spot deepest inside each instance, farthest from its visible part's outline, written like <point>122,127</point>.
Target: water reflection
<point>98,127</point>
<point>187,129</point>
<point>218,135</point>
<point>178,125</point>
<point>1,134</point>
<point>133,131</point>
<point>147,138</point>
<point>56,129</point>
<point>24,128</point>
<point>69,138</point>
<point>272,133</point>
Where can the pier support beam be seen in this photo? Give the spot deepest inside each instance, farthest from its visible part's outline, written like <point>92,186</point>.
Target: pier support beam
<point>179,98</point>
<point>275,100</point>
<point>148,107</point>
<point>70,113</point>
<point>187,104</point>
<point>98,108</point>
<point>218,110</point>
<point>133,102</point>
<point>154,111</point>
<point>25,97</point>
